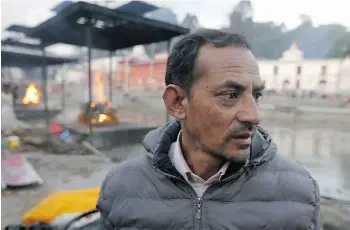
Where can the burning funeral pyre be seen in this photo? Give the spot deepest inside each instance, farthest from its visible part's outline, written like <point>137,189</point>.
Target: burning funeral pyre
<point>32,95</point>
<point>100,112</point>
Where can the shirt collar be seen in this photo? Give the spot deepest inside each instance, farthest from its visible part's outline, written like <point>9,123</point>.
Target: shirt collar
<point>182,167</point>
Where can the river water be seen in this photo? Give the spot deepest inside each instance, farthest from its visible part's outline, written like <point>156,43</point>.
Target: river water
<point>325,153</point>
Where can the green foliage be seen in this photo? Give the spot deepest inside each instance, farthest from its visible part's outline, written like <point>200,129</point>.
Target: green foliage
<point>341,47</point>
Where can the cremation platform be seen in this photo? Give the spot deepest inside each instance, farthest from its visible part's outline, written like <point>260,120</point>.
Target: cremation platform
<point>34,113</point>
<point>107,137</point>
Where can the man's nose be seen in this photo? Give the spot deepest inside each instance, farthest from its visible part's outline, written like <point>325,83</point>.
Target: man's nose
<point>249,111</point>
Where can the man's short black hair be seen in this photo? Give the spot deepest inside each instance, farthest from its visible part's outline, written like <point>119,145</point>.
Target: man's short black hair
<point>180,69</point>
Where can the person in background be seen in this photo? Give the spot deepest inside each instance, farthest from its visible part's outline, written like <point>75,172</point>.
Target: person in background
<point>15,94</point>
<point>213,166</point>
<point>6,94</point>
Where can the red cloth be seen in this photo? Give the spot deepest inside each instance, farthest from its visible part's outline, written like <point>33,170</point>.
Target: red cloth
<point>55,128</point>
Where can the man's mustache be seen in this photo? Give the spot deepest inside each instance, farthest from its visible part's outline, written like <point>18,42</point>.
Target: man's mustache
<point>236,131</point>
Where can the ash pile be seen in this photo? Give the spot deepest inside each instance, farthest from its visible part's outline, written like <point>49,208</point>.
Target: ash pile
<point>57,140</point>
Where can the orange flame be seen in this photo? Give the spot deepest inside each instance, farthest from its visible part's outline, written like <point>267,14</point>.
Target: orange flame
<point>102,117</point>
<point>99,97</point>
<point>32,95</point>
<point>99,86</point>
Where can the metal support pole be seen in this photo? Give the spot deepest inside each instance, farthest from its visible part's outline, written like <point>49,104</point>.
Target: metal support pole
<point>126,80</point>
<point>44,83</point>
<point>126,75</point>
<point>64,93</point>
<point>167,115</point>
<point>151,69</point>
<point>88,45</point>
<point>110,76</point>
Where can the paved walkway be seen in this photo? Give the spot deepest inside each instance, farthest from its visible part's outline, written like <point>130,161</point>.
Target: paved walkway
<point>60,172</point>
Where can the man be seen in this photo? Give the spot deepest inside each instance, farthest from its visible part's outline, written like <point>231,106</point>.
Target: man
<point>15,95</point>
<point>6,95</point>
<point>213,167</point>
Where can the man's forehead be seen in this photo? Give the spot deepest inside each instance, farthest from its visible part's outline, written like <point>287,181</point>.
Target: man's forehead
<point>209,51</point>
<point>218,66</point>
<point>211,57</point>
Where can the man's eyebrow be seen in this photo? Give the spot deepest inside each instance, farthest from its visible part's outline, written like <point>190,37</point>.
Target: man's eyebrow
<point>259,87</point>
<point>240,87</point>
<point>233,85</point>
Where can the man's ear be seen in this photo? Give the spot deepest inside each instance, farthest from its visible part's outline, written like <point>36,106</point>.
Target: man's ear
<point>174,98</point>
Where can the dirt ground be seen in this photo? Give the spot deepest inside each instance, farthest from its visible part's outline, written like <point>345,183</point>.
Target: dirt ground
<point>59,172</point>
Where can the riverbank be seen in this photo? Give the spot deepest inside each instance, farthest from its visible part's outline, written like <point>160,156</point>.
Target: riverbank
<point>302,114</point>
<point>278,109</point>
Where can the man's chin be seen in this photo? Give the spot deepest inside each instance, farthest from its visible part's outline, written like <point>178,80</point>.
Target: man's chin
<point>230,154</point>
<point>239,156</point>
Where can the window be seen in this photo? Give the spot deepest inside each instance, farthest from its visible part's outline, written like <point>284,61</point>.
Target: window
<point>322,82</point>
<point>299,70</point>
<point>323,70</point>
<point>285,83</point>
<point>275,70</point>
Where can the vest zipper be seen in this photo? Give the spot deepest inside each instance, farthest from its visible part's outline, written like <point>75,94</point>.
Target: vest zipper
<point>199,209</point>
<point>199,214</point>
<point>199,200</point>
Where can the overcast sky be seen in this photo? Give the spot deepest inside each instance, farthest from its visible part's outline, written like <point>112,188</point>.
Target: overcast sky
<point>211,13</point>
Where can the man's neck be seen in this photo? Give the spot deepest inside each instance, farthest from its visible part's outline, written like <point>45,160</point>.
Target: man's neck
<point>201,163</point>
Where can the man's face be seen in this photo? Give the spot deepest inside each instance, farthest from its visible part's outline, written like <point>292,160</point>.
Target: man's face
<point>222,111</point>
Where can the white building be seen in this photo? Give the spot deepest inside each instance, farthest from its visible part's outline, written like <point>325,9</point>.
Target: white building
<point>293,72</point>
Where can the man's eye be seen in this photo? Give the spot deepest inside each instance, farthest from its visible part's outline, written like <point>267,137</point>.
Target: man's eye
<point>257,96</point>
<point>230,95</point>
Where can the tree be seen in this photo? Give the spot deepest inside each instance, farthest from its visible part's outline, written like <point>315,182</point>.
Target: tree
<point>305,20</point>
<point>241,18</point>
<point>341,47</point>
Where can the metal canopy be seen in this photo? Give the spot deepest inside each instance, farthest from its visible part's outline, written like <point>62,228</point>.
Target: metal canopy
<point>13,58</point>
<point>137,7</point>
<point>111,29</point>
<point>61,6</point>
<point>15,42</point>
<point>19,28</point>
